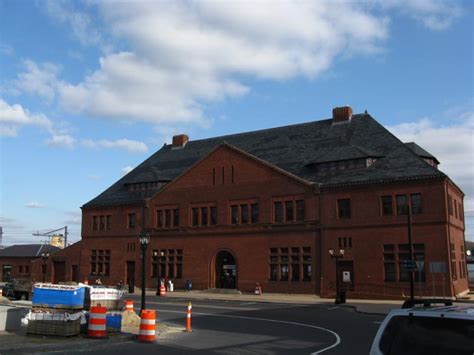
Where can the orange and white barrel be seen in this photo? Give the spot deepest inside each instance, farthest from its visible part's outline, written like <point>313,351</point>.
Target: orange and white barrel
<point>129,305</point>
<point>97,322</point>
<point>146,332</point>
<point>162,290</point>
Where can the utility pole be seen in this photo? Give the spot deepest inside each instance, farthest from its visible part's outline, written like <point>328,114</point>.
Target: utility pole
<point>410,242</point>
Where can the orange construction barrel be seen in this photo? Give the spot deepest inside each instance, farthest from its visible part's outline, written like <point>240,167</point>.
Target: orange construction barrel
<point>97,322</point>
<point>146,332</point>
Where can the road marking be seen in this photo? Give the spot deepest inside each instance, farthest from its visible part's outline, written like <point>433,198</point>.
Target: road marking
<point>378,322</point>
<point>338,338</point>
<point>332,308</point>
<point>202,306</point>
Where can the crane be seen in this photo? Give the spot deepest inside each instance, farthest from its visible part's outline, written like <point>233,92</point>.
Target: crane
<point>48,234</point>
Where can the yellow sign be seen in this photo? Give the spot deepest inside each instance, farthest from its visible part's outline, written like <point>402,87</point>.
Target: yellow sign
<point>57,241</point>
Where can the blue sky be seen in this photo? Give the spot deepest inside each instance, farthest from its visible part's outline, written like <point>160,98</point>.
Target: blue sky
<point>90,89</point>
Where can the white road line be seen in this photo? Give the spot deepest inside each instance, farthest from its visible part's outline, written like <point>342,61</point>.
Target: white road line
<point>332,308</point>
<point>338,338</point>
<point>378,322</point>
<point>202,306</point>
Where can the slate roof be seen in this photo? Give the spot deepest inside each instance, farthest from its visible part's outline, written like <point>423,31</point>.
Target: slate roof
<point>27,250</point>
<point>420,151</point>
<point>294,148</point>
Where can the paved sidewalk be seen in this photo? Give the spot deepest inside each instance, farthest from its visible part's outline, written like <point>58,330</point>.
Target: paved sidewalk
<point>19,342</point>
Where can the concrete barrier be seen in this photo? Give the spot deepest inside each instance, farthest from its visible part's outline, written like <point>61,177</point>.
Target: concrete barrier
<point>10,318</point>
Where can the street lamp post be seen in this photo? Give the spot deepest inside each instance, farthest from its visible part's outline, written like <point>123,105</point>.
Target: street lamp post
<point>44,257</point>
<point>340,254</point>
<point>144,240</point>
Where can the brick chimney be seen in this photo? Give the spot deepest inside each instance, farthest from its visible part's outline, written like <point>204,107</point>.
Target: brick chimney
<point>341,114</point>
<point>179,141</point>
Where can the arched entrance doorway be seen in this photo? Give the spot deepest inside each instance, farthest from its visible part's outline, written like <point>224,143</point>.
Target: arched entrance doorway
<point>225,270</point>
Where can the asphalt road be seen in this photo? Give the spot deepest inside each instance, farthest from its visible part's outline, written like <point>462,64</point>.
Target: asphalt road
<point>254,328</point>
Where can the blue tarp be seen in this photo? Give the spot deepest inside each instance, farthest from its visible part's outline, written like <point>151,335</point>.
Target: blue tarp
<point>58,296</point>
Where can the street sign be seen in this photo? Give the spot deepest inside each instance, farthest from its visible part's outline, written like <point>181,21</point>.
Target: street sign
<point>420,264</point>
<point>409,265</point>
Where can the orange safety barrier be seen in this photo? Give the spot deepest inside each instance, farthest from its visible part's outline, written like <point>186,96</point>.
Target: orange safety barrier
<point>146,332</point>
<point>162,290</point>
<point>97,322</point>
<point>188,317</point>
<point>129,305</point>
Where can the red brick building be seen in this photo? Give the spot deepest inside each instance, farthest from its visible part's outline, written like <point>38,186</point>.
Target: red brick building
<point>265,206</point>
<point>19,261</point>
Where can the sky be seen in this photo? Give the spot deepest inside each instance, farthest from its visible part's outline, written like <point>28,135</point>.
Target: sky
<point>89,89</point>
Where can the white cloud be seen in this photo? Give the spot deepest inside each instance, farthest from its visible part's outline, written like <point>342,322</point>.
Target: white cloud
<point>61,140</point>
<point>73,217</point>
<point>94,177</point>
<point>129,145</point>
<point>435,15</point>
<point>6,49</point>
<point>68,12</point>
<point>13,117</point>
<point>127,169</point>
<point>40,80</point>
<point>34,204</point>
<point>452,144</point>
<point>183,55</point>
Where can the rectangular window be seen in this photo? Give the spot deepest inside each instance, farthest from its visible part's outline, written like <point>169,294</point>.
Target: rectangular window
<point>389,263</point>
<point>175,217</point>
<point>415,200</point>
<point>403,254</point>
<point>167,218</point>
<point>27,269</point>
<point>344,208</point>
<point>100,262</point>
<point>278,212</point>
<point>283,272</point>
<point>171,267</point>
<point>295,272</point>
<point>159,218</point>
<point>273,272</point>
<point>203,216</point>
<point>450,205</point>
<point>132,220</point>
<point>179,270</point>
<point>195,216</point>
<point>288,211</point>
<point>401,201</point>
<point>213,215</point>
<point>102,223</point>
<point>108,222</point>
<point>254,212</point>
<point>244,214</point>
<point>234,212</point>
<point>455,209</point>
<point>461,213</point>
<point>95,224</point>
<point>300,211</point>
<point>387,207</point>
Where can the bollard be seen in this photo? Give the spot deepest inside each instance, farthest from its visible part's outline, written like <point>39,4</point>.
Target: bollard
<point>97,322</point>
<point>188,318</point>
<point>129,305</point>
<point>146,332</point>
